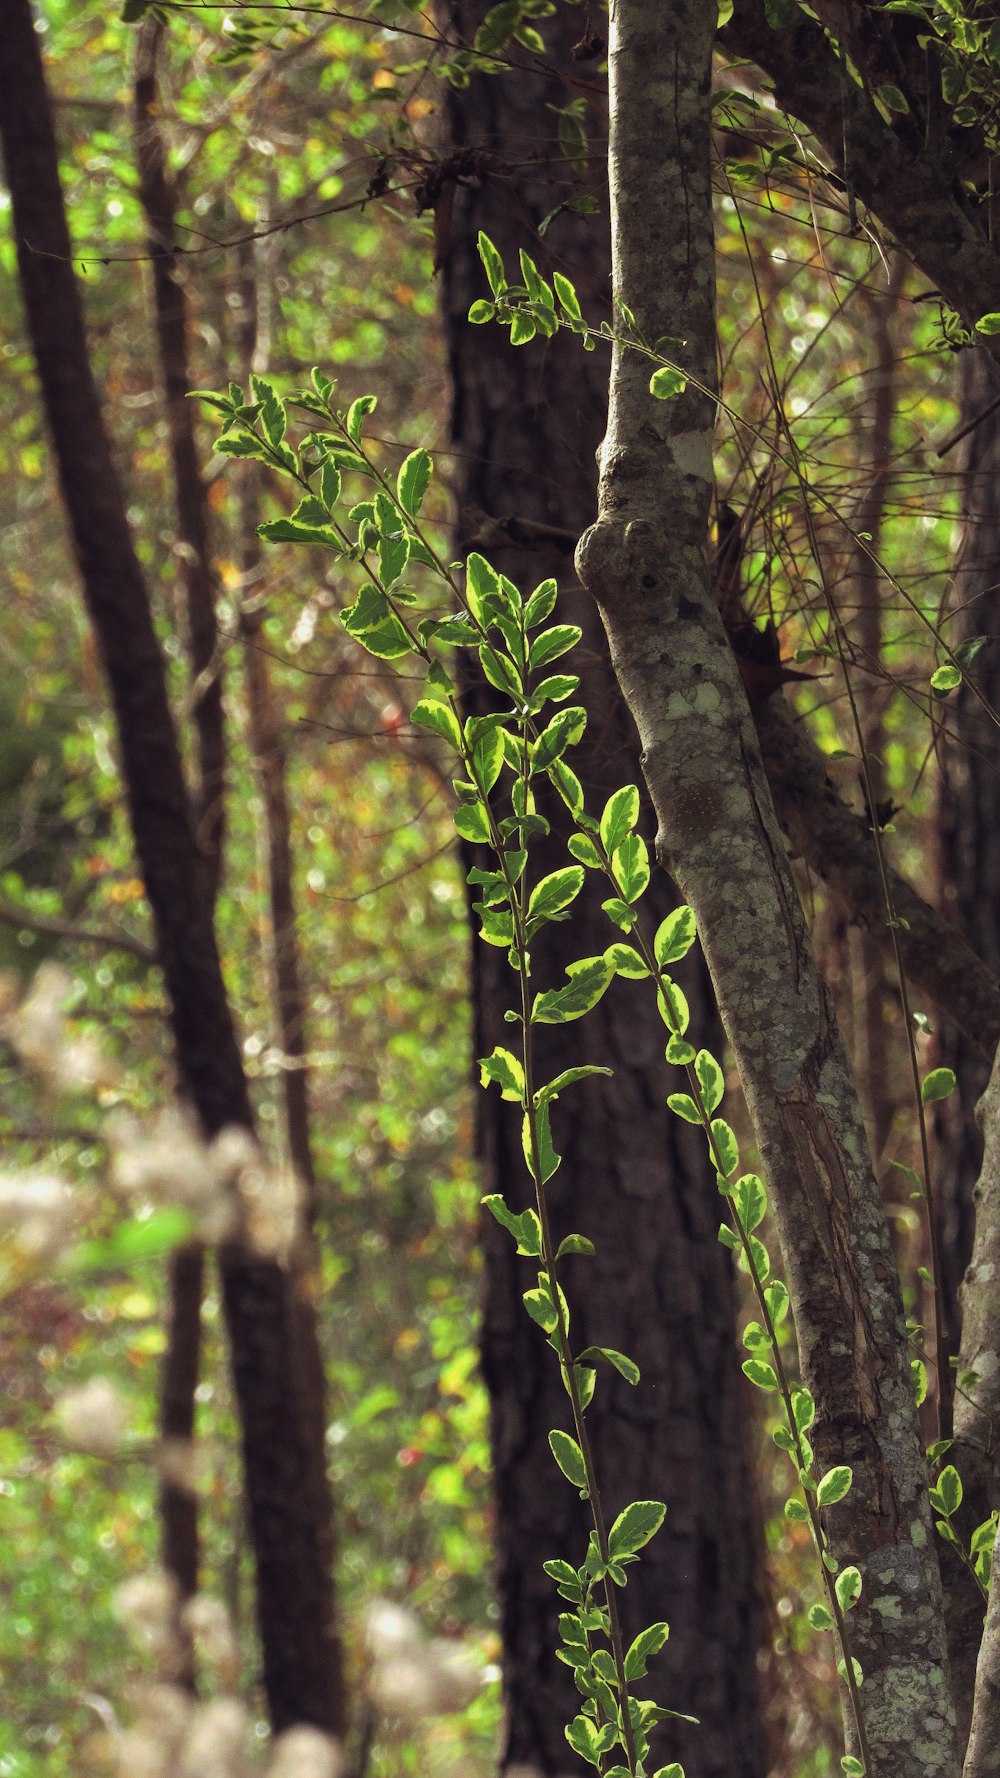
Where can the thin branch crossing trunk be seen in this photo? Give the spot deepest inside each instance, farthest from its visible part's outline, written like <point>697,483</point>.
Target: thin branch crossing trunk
<point>646,562</point>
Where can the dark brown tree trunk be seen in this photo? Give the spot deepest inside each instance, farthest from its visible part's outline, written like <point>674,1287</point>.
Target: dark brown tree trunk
<point>178,1505</point>
<point>289,1511</point>
<point>526,425</point>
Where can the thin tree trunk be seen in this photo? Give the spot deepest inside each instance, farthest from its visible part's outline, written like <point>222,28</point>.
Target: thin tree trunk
<point>178,1505</point>
<point>646,562</point>
<point>861,597</point>
<point>289,1519</point>
<point>525,427</point>
<point>289,1006</point>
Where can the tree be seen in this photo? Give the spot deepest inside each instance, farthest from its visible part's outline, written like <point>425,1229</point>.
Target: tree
<point>286,1480</point>
<point>526,438</point>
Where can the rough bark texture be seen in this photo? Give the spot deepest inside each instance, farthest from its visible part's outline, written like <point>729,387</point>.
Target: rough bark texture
<point>288,1518</point>
<point>977,1415</point>
<point>837,845</point>
<point>526,425</point>
<point>982,1759</point>
<point>645,560</point>
<point>969,841</point>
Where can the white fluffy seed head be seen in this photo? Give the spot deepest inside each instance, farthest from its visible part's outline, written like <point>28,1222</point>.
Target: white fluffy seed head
<point>147,1608</point>
<point>93,1418</point>
<point>390,1629</point>
<point>456,1674</point>
<point>208,1624</point>
<point>216,1743</point>
<point>35,1216</point>
<point>305,1753</point>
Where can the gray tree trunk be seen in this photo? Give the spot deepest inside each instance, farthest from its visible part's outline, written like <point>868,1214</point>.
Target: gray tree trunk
<point>646,562</point>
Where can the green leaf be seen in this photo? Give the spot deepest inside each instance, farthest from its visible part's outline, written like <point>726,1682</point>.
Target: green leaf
<point>648,1642</point>
<point>373,623</point>
<point>481,312</point>
<point>439,717</point>
<point>556,687</point>
<point>946,1495</point>
<point>625,1367</point>
<point>710,1079</point>
<point>272,410</point>
<point>667,382</point>
<point>796,1512</point>
<point>944,680</point>
<point>588,980</point>
<point>750,1201</point>
<point>803,1408</point>
<point>851,1767</point>
<point>540,1307</point>
<point>680,1052</point>
<point>357,413</point>
<point>569,1457</point>
<point>548,1160</point>
<point>496,29</point>
<point>834,1485</point>
<point>776,1297</point>
<point>725,1141</point>
<point>820,1617</point>
<point>541,604</point>
<point>674,936</point>
<point>564,730</point>
<point>627,962</point>
<point>634,1527</point>
<point>848,1587</point>
<point>582,1736</point>
<point>937,1085</point>
<point>673,1005</point>
<point>241,444</point>
<point>682,1105</point>
<point>523,1225</point>
<point>555,892</point>
<point>760,1374</point>
<point>471,822</point>
<point>779,13</point>
<point>568,1078</point>
<point>621,812</point>
<point>630,864</point>
<point>575,1244</point>
<point>553,642</point>
<point>581,846</point>
<point>568,299</point>
<point>506,1071</point>
<point>413,480</point>
<point>989,323</point>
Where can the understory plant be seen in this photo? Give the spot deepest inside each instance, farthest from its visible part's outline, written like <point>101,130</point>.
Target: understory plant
<point>414,605</point>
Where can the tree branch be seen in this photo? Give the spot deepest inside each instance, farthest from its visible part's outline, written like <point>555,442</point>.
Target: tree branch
<point>837,845</point>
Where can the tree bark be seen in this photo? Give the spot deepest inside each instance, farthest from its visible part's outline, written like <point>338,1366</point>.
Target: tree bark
<point>178,1505</point>
<point>646,562</point>
<point>289,1519</point>
<point>969,852</point>
<point>525,426</point>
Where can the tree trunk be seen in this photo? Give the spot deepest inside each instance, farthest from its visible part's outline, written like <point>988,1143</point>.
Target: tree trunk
<point>178,1505</point>
<point>525,428</point>
<point>646,562</point>
<point>289,1519</point>
<point>969,840</point>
